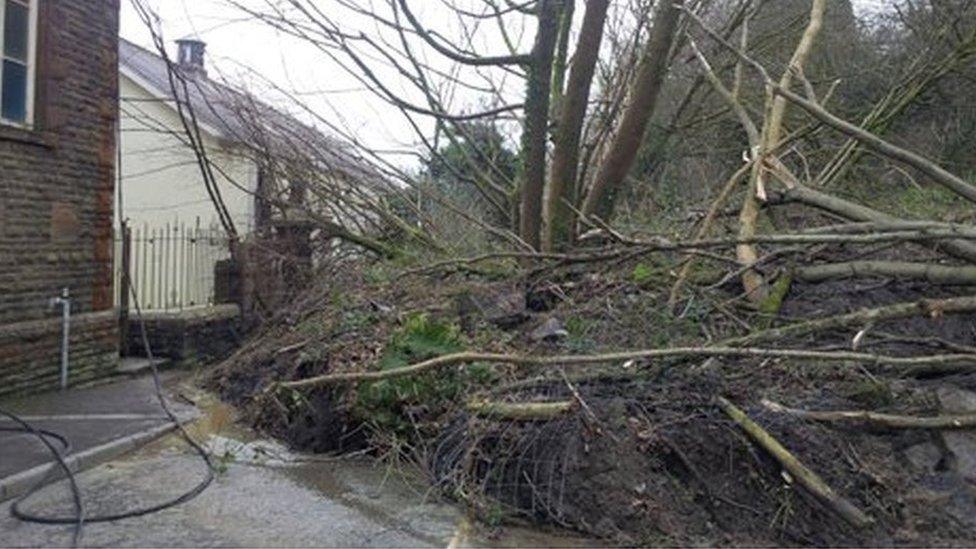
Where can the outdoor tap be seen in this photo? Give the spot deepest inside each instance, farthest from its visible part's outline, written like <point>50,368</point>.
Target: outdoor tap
<point>60,300</point>
<point>64,301</point>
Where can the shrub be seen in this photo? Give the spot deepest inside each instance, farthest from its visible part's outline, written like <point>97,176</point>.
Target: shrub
<point>386,404</point>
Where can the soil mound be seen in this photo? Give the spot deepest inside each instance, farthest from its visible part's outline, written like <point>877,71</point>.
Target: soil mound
<point>641,454</point>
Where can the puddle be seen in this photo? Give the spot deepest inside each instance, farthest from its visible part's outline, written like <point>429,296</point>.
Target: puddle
<point>399,499</point>
<point>402,499</point>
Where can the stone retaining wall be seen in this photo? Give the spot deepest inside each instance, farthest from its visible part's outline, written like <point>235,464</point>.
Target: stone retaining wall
<point>192,336</point>
<point>30,352</point>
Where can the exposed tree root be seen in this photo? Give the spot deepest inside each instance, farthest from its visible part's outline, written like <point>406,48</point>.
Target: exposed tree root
<point>807,478</point>
<point>891,421</point>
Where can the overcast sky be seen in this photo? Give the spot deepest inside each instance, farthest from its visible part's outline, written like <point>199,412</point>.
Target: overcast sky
<point>237,45</point>
<point>235,42</point>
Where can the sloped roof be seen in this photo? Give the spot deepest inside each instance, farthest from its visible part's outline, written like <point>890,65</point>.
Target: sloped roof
<point>240,119</point>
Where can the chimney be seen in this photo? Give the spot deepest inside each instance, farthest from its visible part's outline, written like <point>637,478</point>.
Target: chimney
<point>190,57</point>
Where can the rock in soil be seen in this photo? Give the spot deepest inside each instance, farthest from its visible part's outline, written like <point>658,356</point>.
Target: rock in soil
<point>551,329</point>
<point>961,445</point>
<point>500,304</point>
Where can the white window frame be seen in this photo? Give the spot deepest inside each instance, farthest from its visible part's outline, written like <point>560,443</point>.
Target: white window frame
<point>31,5</point>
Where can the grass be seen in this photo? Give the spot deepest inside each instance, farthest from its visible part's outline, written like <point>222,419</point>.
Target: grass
<point>928,202</point>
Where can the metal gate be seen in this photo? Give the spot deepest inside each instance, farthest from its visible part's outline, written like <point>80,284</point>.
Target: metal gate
<point>171,267</point>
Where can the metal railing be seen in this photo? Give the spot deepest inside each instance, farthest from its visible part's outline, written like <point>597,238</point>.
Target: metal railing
<point>171,266</point>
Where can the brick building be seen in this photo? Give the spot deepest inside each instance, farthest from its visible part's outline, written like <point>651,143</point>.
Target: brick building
<point>58,112</point>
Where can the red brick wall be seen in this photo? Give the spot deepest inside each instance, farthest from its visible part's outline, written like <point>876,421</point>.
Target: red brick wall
<point>57,180</point>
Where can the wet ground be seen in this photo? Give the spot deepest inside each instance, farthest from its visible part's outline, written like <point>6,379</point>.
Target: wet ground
<point>87,418</point>
<point>263,496</point>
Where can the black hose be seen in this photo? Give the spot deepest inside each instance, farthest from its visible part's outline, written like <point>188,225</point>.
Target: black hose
<point>79,519</point>
<point>65,445</point>
<point>42,434</point>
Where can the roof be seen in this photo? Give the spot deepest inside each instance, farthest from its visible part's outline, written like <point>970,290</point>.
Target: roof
<point>239,118</point>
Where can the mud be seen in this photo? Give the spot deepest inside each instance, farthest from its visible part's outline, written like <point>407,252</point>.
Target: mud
<point>657,463</point>
<point>646,458</point>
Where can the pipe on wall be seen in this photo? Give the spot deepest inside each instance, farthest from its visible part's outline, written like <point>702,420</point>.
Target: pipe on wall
<point>64,301</point>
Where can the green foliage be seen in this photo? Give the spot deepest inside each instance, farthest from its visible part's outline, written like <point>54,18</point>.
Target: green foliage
<point>378,273</point>
<point>224,462</point>
<point>642,274</point>
<point>930,202</point>
<point>420,338</point>
<point>769,307</point>
<point>337,299</point>
<point>581,337</point>
<point>872,394</point>
<point>312,327</point>
<point>474,170</point>
<point>501,269</point>
<point>494,514</point>
<point>662,328</point>
<point>475,150</point>
<point>384,403</point>
<point>651,270</point>
<point>354,320</point>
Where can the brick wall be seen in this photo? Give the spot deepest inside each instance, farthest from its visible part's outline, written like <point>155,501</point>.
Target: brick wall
<point>56,190</point>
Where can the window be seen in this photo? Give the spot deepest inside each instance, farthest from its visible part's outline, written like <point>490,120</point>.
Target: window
<point>18,21</point>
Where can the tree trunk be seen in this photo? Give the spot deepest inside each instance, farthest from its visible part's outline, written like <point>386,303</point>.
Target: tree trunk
<point>536,124</point>
<point>560,56</point>
<point>644,92</point>
<point>565,157</point>
<point>753,282</point>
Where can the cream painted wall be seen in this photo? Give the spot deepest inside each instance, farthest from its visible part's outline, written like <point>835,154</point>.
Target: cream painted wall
<point>160,178</point>
<point>161,192</point>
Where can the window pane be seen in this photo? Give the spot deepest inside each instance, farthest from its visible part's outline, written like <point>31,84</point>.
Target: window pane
<point>13,96</point>
<point>15,30</point>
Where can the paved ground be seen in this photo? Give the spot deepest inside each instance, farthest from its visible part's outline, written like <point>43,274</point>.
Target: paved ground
<point>88,418</point>
<point>263,496</point>
<point>246,506</point>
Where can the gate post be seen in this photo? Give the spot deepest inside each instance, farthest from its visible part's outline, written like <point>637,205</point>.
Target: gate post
<point>125,288</point>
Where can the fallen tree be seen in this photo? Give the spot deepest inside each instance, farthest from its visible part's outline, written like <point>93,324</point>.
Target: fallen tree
<point>956,360</point>
<point>929,272</point>
<point>925,307</point>
<point>807,478</point>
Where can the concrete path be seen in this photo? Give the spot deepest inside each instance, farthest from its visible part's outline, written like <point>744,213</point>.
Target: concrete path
<point>262,497</point>
<point>99,422</point>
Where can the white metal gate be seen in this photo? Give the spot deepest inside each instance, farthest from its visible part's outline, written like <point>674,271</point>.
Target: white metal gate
<point>172,266</point>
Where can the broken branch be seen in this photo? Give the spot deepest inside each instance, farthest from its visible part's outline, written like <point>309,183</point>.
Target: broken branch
<point>924,307</point>
<point>520,411</point>
<point>934,274</point>
<point>807,478</point>
<point>568,360</point>
<point>891,421</point>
